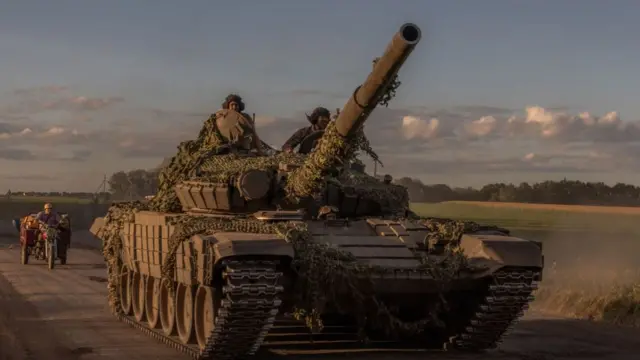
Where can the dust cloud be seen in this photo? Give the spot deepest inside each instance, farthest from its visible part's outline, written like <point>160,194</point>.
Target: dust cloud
<point>589,275</point>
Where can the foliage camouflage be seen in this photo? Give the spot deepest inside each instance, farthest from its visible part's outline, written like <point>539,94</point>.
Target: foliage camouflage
<point>191,154</point>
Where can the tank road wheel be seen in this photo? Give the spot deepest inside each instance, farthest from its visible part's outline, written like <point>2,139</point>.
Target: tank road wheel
<point>206,307</point>
<point>151,301</point>
<point>124,290</point>
<point>167,309</point>
<point>184,313</point>
<point>138,291</point>
<point>24,255</point>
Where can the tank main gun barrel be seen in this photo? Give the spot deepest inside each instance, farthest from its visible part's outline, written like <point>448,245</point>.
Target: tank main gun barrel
<point>356,111</point>
<point>308,180</point>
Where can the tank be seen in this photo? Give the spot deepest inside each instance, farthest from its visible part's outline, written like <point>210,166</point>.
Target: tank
<point>239,252</point>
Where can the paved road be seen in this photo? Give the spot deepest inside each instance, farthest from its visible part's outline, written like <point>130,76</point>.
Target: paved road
<point>62,314</point>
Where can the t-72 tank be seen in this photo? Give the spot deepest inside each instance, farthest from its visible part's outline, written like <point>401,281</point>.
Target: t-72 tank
<point>239,251</point>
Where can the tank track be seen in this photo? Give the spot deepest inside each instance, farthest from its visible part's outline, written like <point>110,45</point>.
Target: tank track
<point>252,300</point>
<point>248,310</point>
<point>508,297</point>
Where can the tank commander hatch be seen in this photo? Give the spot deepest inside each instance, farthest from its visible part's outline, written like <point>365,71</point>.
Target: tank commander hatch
<point>237,127</point>
<point>319,119</point>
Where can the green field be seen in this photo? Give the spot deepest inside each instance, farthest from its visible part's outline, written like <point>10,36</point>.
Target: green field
<point>528,219</point>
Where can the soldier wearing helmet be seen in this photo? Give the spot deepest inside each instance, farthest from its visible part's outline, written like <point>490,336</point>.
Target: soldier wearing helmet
<point>235,126</point>
<point>48,216</point>
<point>319,119</point>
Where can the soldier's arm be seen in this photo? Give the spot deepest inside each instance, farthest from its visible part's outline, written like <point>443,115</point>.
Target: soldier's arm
<point>257,143</point>
<point>294,140</point>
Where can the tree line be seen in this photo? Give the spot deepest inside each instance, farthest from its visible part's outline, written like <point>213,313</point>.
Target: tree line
<point>569,192</point>
<point>136,184</point>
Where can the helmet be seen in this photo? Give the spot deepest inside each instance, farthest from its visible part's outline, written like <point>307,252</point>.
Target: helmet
<point>316,113</point>
<point>48,206</point>
<point>233,98</point>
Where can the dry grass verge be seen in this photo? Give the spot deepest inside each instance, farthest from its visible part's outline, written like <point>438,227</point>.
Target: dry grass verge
<point>594,285</point>
<point>618,305</point>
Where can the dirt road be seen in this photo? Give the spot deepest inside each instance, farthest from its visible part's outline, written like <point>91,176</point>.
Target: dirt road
<point>62,314</point>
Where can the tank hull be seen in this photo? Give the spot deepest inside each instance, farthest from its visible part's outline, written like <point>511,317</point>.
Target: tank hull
<point>247,280</point>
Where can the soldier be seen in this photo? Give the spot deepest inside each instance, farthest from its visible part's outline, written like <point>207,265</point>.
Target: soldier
<point>236,126</point>
<point>319,119</point>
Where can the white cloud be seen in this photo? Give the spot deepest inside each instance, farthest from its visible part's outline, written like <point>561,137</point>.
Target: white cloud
<point>463,144</point>
<point>262,121</point>
<point>481,127</point>
<point>534,121</point>
<point>415,127</point>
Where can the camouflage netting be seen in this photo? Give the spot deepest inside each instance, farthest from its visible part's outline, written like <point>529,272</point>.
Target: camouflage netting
<point>332,151</point>
<point>111,232</point>
<point>191,155</point>
<point>326,274</point>
<point>392,198</point>
<point>222,168</point>
<point>445,229</point>
<point>392,87</point>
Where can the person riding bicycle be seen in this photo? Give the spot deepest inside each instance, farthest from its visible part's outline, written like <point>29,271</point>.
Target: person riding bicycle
<point>48,216</point>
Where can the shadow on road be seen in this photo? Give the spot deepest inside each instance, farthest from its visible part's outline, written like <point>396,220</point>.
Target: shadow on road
<point>532,339</point>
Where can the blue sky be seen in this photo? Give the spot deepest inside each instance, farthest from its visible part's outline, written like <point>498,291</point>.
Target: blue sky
<point>287,56</point>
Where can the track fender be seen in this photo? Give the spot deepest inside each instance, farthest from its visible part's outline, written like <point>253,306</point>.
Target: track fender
<point>495,251</point>
<point>230,244</point>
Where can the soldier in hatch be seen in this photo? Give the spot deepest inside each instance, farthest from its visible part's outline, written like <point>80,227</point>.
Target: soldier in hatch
<point>319,119</point>
<point>237,127</point>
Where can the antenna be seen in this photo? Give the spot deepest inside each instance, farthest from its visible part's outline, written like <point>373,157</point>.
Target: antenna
<point>102,188</point>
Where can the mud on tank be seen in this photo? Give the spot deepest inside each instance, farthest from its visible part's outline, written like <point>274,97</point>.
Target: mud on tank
<point>269,252</point>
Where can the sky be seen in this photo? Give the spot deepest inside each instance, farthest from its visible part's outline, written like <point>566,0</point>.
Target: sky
<point>496,91</point>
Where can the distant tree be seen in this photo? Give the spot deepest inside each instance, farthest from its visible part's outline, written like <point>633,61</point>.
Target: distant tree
<point>119,185</point>
<point>134,184</point>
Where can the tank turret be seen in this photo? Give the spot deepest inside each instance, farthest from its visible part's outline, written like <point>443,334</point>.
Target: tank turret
<point>334,144</point>
<point>326,173</point>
